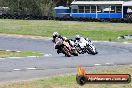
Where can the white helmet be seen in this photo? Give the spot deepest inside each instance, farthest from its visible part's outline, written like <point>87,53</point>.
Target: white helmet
<point>65,38</point>
<point>55,34</point>
<point>77,37</point>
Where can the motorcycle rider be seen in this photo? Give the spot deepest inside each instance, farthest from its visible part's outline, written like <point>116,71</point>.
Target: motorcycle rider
<point>56,35</point>
<point>80,41</point>
<point>67,43</point>
<point>58,40</point>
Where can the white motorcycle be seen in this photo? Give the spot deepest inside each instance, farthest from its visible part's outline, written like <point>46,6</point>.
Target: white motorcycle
<point>90,48</point>
<point>86,46</point>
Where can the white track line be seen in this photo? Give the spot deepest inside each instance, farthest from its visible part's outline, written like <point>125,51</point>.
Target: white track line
<point>125,42</point>
<point>31,68</point>
<point>14,57</point>
<point>17,69</point>
<point>108,63</point>
<point>8,50</point>
<point>31,56</point>
<point>97,64</point>
<point>2,58</point>
<point>18,51</point>
<point>48,55</point>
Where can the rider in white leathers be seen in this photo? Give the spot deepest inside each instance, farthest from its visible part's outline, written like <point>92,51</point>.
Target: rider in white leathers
<point>81,42</point>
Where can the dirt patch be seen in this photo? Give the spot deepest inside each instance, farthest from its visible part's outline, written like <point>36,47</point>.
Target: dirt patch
<point>25,36</point>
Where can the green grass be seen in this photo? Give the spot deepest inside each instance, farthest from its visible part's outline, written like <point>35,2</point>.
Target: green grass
<point>93,30</point>
<point>5,54</point>
<point>70,81</point>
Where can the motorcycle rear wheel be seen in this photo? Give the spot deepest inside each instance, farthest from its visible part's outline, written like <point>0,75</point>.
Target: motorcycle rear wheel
<point>66,52</point>
<point>89,50</point>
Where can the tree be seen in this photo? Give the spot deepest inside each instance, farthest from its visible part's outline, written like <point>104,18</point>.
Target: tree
<point>62,2</point>
<point>34,7</point>
<point>29,7</point>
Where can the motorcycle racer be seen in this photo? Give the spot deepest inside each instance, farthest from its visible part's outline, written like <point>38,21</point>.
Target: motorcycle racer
<point>70,46</point>
<point>84,41</point>
<point>67,43</point>
<point>58,40</point>
<point>56,35</point>
<point>85,45</point>
<point>81,42</point>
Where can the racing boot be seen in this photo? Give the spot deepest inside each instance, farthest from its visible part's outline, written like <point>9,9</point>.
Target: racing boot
<point>58,51</point>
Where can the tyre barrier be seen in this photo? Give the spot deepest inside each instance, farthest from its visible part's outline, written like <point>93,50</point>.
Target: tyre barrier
<point>128,18</point>
<point>81,80</point>
<point>25,17</point>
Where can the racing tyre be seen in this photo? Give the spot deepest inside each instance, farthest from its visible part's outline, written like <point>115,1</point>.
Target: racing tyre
<point>75,53</point>
<point>90,50</point>
<point>81,80</point>
<point>66,52</point>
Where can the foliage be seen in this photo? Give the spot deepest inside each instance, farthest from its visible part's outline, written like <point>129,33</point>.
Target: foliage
<point>34,7</point>
<point>29,7</point>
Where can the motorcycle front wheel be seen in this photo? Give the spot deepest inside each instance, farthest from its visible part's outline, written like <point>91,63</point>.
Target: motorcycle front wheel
<point>74,52</point>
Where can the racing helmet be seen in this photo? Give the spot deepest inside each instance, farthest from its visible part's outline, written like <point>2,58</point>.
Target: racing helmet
<point>65,38</point>
<point>77,37</point>
<point>55,34</point>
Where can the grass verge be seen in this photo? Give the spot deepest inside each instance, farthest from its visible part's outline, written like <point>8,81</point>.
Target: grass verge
<point>6,54</point>
<point>70,81</point>
<point>93,30</point>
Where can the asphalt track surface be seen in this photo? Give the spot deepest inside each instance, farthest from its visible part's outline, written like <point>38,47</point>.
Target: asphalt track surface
<point>16,69</point>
